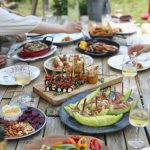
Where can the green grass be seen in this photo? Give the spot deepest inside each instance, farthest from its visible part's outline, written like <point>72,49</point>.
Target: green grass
<point>134,7</point>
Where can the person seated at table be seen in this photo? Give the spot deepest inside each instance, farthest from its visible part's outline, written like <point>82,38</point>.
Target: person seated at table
<point>138,49</point>
<point>12,24</point>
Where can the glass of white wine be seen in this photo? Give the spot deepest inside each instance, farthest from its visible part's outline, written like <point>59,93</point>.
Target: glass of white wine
<point>22,77</point>
<point>129,69</point>
<point>138,117</point>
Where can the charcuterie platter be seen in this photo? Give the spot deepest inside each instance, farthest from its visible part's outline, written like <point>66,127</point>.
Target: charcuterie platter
<point>98,112</point>
<point>59,99</point>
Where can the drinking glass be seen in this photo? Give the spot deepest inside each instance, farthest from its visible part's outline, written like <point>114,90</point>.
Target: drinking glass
<point>138,117</point>
<point>129,69</point>
<point>118,10</point>
<point>22,77</point>
<point>106,19</point>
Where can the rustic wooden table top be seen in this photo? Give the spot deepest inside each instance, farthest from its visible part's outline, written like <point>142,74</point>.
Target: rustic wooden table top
<point>114,141</point>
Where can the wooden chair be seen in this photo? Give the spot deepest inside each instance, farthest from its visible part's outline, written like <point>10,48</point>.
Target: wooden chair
<point>34,6</point>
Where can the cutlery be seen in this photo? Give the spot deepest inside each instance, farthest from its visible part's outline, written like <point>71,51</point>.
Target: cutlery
<point>85,36</point>
<point>14,52</point>
<point>85,33</point>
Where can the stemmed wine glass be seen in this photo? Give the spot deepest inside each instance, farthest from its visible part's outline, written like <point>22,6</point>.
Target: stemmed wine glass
<point>129,69</point>
<point>138,117</point>
<point>22,77</point>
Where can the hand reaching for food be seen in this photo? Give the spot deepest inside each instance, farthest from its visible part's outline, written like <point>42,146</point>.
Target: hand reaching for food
<point>20,37</point>
<point>73,27</point>
<point>2,59</point>
<point>138,49</point>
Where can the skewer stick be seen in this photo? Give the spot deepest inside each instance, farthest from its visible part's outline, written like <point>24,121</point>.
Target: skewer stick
<point>73,65</point>
<point>96,102</point>
<point>83,64</point>
<point>78,104</point>
<point>122,88</point>
<point>115,92</point>
<point>45,71</point>
<point>84,105</point>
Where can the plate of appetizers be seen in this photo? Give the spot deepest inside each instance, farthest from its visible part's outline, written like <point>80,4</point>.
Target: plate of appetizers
<point>125,28</point>
<point>59,63</point>
<point>21,121</point>
<point>35,49</point>
<point>76,142</point>
<point>63,38</point>
<point>142,62</point>
<point>52,50</point>
<point>101,31</point>
<point>98,112</point>
<point>7,75</point>
<point>124,18</point>
<point>98,47</point>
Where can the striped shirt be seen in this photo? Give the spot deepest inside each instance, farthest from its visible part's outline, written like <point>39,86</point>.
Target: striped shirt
<point>12,24</point>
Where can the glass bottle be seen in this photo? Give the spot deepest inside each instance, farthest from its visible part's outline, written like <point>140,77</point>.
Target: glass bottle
<point>2,139</point>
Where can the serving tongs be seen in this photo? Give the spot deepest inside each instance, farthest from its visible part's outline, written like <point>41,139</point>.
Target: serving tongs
<point>85,33</point>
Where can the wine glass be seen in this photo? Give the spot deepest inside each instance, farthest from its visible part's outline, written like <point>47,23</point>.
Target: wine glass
<point>106,19</point>
<point>138,117</point>
<point>22,77</point>
<point>118,11</point>
<point>129,68</point>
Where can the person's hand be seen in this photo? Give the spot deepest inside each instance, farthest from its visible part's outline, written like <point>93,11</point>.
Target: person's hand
<point>20,37</point>
<point>2,59</point>
<point>138,49</point>
<point>73,27</point>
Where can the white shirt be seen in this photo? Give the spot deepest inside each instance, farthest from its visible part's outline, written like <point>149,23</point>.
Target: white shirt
<point>11,24</point>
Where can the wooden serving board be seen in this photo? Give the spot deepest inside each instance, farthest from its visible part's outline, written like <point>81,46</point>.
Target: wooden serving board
<point>59,99</point>
<point>49,140</point>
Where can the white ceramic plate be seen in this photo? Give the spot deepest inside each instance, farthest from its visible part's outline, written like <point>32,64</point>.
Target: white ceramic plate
<point>7,75</point>
<point>48,63</point>
<point>37,130</point>
<point>116,61</point>
<point>52,51</point>
<point>58,37</point>
<point>127,28</point>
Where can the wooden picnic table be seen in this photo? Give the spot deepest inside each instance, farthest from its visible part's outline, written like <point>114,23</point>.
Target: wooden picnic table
<point>114,141</point>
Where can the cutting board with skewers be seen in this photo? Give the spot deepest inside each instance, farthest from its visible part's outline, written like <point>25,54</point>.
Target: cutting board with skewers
<point>54,99</point>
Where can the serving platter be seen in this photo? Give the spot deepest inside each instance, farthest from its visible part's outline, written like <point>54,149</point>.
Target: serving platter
<point>23,108</point>
<point>116,61</point>
<point>49,140</point>
<point>53,99</point>
<point>7,75</point>
<point>60,36</point>
<point>73,124</point>
<point>52,50</point>
<point>100,54</point>
<point>48,63</point>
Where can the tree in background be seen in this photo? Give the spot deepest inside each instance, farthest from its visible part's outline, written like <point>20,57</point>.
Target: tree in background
<point>59,7</point>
